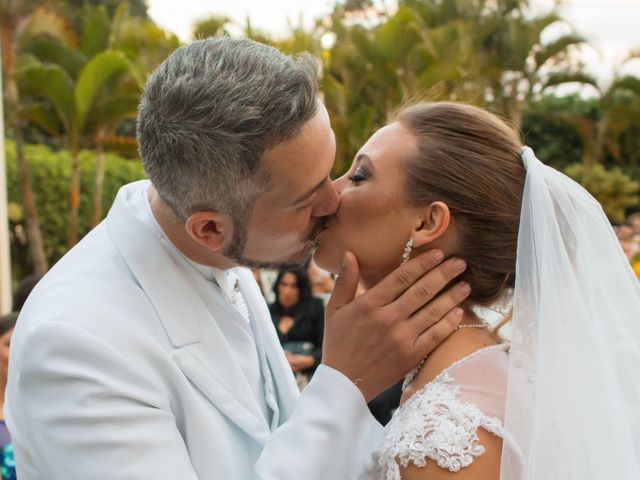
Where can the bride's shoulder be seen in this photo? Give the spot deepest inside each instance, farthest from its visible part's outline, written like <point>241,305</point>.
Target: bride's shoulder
<point>446,415</point>
<point>461,345</point>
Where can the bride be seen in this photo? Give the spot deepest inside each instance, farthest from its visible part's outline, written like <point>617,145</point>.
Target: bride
<point>561,399</point>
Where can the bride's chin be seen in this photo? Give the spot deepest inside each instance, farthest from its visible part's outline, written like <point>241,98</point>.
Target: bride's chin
<point>329,261</point>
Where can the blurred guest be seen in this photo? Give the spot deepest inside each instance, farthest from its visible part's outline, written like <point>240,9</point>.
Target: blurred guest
<point>634,221</point>
<point>321,281</point>
<point>7,463</point>
<point>299,320</point>
<point>625,232</point>
<point>384,405</point>
<point>7,323</point>
<point>629,242</point>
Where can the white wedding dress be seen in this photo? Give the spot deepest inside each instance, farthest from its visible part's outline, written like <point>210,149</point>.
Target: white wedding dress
<point>440,422</point>
<point>565,399</point>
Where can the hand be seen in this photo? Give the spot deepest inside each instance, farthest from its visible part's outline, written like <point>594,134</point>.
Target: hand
<point>299,363</point>
<point>378,337</point>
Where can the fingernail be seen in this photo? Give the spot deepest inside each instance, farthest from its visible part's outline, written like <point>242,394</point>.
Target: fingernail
<point>465,289</point>
<point>458,312</point>
<point>437,255</point>
<point>460,265</point>
<point>344,260</point>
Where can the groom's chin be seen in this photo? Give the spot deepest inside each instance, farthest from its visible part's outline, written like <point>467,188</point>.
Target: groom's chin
<point>299,259</point>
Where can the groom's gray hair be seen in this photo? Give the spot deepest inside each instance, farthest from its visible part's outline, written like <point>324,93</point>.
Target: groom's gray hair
<point>210,111</point>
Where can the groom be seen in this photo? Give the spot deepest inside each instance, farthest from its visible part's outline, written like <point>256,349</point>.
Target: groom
<point>148,353</point>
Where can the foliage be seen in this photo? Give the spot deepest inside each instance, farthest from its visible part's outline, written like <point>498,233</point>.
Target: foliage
<point>615,190</point>
<point>81,64</point>
<point>212,26</point>
<point>556,143</point>
<point>484,52</point>
<point>50,172</point>
<point>73,9</point>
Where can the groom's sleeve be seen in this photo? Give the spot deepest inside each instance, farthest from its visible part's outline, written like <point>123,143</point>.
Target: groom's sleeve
<point>331,434</point>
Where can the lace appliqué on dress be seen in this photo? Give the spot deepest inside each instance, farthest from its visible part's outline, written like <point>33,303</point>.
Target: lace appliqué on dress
<point>433,423</point>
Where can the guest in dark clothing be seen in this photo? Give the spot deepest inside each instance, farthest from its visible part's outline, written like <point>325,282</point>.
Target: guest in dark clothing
<point>383,406</point>
<point>299,321</point>
<point>7,463</point>
<point>7,323</point>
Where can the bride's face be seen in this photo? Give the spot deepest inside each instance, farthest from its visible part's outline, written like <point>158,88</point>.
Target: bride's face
<point>373,220</point>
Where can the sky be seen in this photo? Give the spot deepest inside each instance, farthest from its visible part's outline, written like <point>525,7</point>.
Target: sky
<point>611,26</point>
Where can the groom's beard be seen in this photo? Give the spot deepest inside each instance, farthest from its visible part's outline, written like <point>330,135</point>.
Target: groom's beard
<point>235,251</point>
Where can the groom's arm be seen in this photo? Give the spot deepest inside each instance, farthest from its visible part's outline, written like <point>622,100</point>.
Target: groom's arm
<point>370,343</point>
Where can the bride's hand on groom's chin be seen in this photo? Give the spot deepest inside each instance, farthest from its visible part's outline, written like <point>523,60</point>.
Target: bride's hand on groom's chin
<point>378,337</point>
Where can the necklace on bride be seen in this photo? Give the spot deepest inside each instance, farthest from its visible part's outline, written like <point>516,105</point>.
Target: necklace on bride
<point>406,254</point>
<point>410,377</point>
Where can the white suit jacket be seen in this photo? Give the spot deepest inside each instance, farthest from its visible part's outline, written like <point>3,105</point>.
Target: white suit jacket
<point>118,370</point>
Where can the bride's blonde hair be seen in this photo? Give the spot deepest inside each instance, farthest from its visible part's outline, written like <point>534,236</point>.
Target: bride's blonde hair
<point>471,160</point>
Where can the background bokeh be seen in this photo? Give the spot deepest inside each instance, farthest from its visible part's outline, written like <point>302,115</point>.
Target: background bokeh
<point>73,71</point>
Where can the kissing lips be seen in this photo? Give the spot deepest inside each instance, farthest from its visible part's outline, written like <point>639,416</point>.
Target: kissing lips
<point>318,229</point>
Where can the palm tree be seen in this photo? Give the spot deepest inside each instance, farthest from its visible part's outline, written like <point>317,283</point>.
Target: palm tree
<point>73,99</point>
<point>382,61</point>
<point>19,20</point>
<point>92,89</point>
<point>145,45</point>
<point>618,108</point>
<point>506,59</point>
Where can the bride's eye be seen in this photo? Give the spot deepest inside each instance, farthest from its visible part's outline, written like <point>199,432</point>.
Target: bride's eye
<point>357,177</point>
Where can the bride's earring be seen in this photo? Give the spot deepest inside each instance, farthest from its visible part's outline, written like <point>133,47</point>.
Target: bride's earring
<point>407,251</point>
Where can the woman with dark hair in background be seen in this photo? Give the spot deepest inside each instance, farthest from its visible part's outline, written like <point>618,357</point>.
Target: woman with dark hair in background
<point>299,320</point>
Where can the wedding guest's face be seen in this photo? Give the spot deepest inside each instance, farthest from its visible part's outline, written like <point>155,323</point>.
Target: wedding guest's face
<point>287,218</point>
<point>288,292</point>
<point>373,220</point>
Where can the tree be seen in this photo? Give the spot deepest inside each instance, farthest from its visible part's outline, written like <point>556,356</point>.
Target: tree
<point>617,108</point>
<point>510,63</point>
<point>613,189</point>
<point>19,20</point>
<point>212,26</point>
<point>380,61</point>
<point>115,54</point>
<point>72,86</point>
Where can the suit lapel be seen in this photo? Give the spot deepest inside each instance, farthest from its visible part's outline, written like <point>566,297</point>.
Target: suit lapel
<point>201,352</point>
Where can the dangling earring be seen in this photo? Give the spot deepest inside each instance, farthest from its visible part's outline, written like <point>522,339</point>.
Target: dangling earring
<point>407,251</point>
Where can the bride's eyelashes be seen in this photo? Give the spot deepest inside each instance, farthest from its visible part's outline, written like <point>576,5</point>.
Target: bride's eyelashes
<point>359,176</point>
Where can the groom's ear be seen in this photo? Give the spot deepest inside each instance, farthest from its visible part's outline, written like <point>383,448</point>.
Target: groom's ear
<point>209,228</point>
<point>432,224</point>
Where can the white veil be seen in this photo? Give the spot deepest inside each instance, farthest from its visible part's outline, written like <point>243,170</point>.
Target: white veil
<point>573,397</point>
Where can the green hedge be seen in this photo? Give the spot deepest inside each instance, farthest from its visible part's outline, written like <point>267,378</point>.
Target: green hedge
<point>49,171</point>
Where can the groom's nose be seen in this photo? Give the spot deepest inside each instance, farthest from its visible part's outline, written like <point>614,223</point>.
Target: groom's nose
<point>327,201</point>
<point>340,183</point>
